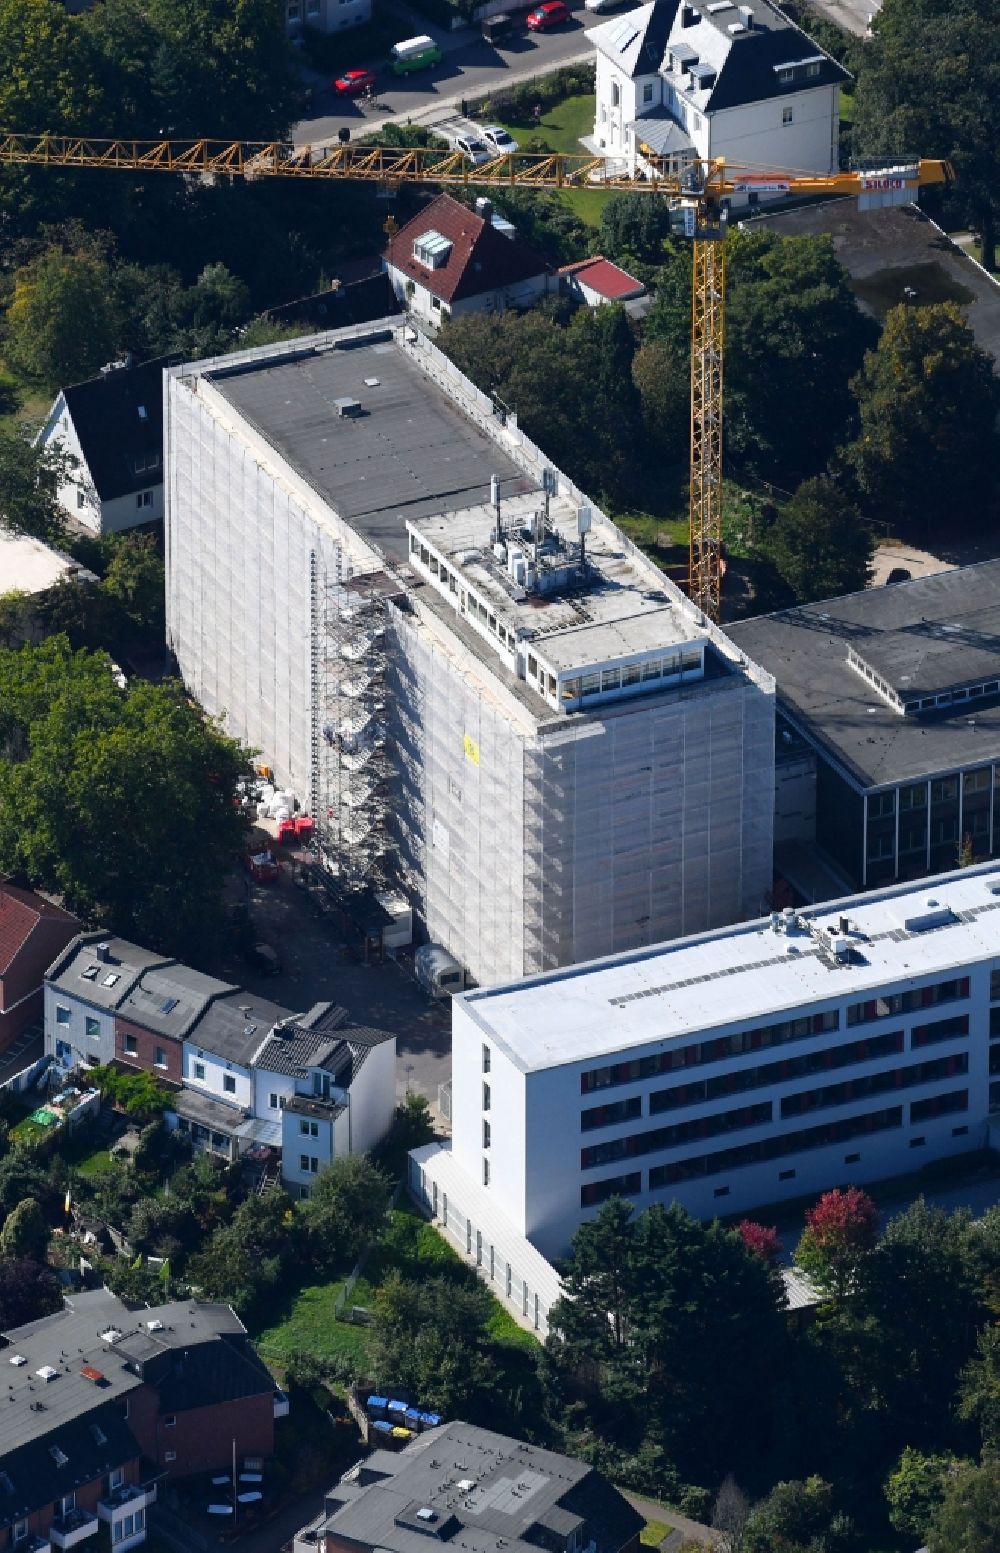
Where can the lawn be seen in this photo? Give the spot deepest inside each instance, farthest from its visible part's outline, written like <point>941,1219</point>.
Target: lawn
<point>307,1324</point>
<point>560,128</point>
<point>653,1533</point>
<point>93,1163</point>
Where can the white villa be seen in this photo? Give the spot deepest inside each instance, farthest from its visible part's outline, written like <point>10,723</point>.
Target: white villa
<point>682,81</point>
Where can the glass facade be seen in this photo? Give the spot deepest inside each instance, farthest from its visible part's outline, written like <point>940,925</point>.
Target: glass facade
<point>915,829</point>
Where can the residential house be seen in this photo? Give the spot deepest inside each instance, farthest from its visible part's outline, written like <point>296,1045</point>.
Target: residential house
<point>216,1107</point>
<point>32,932</point>
<point>679,81</point>
<point>108,999</point>
<point>111,427</point>
<point>309,1072</point>
<point>103,1403</point>
<point>255,1073</point>
<point>597,282</point>
<point>450,261</point>
<point>472,1488</point>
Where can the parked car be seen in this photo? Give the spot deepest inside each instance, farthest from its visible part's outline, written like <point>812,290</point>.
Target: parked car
<point>602,5</point>
<point>353,82</point>
<point>417,53</point>
<point>476,151</point>
<point>497,27</point>
<point>498,139</point>
<point>552,14</point>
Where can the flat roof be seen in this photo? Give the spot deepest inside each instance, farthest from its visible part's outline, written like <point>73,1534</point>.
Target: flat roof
<point>463,1485</point>
<point>928,634</point>
<point>408,451</point>
<point>741,976</point>
<point>29,566</point>
<point>607,609</point>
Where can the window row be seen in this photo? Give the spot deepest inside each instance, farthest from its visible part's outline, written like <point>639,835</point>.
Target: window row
<point>764,1149</point>
<point>768,1073</point>
<point>717,1049</point>
<point>874,1084</point>
<point>939,1105</point>
<point>628,675</point>
<point>940,1030</point>
<point>658,1138</point>
<point>892,1003</point>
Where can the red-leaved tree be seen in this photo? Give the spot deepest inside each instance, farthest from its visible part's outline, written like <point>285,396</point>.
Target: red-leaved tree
<point>840,1233</point>
<point>761,1239</point>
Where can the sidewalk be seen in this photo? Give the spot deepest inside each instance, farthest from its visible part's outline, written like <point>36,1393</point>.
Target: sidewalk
<point>692,1531</point>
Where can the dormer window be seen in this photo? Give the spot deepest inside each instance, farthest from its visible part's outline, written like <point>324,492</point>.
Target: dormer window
<point>433,250</point>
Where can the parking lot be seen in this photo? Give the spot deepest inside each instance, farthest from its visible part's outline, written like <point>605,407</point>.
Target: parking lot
<point>317,965</point>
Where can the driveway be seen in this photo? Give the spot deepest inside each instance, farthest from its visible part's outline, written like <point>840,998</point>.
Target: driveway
<point>850,15</point>
<point>317,966</point>
<point>470,70</point>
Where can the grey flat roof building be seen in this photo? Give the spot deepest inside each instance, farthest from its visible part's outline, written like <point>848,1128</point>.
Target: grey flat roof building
<point>923,638</point>
<point>897,689</point>
<point>476,1490</point>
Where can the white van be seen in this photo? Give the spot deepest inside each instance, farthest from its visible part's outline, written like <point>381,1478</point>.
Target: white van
<point>438,972</point>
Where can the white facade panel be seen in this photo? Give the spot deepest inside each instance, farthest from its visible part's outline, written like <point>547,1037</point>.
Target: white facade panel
<point>214,1076</point>
<point>372,1098</point>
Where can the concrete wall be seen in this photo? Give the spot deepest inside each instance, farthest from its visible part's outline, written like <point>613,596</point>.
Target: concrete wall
<point>372,1098</point>
<point>430,309</point>
<point>757,135</point>
<point>506,1116</point>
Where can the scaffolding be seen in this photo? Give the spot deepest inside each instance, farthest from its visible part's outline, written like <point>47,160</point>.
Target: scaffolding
<point>351,766</point>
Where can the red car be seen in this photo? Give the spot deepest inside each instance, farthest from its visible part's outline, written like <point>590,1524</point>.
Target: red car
<point>551,14</point>
<point>353,82</point>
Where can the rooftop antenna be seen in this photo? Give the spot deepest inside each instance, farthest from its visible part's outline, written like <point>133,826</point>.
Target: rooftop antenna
<point>495,504</point>
<point>583,520</point>
<point>549,487</point>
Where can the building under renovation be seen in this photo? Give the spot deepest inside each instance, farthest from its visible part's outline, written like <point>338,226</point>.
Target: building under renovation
<point>486,694</point>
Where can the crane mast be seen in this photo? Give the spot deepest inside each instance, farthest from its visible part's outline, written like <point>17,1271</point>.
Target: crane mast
<point>700,193</point>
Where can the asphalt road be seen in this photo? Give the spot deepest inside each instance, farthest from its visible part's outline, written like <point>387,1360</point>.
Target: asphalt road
<point>471,69</point>
<point>851,15</point>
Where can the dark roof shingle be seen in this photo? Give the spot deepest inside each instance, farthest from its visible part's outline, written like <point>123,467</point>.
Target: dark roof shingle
<point>118,418</point>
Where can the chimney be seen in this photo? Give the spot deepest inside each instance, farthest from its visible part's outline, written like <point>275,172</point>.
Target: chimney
<point>689,16</point>
<point>746,16</point>
<point>484,208</point>
<point>104,953</point>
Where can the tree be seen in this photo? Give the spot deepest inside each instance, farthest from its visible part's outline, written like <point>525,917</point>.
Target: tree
<point>432,1338</point>
<point>730,1514</point>
<point>668,1331</point>
<point>664,389</point>
<point>930,81</point>
<point>134,584</point>
<point>915,1489</point>
<point>923,1340</point>
<point>798,1517</point>
<point>927,402</point>
<point>140,1095</point>
<point>633,229</point>
<point>243,1261</point>
<point>762,1239</point>
<point>16,615</point>
<point>61,323</point>
<point>27,1291</point>
<point>345,1210</point>
<point>794,336</point>
<point>30,478</point>
<point>818,544</point>
<point>839,1236</point>
<point>968,1518</point>
<point>122,801</point>
<point>25,1235</point>
<point>546,223</point>
<point>43,79</point>
<point>412,1124</point>
<point>979,1393</point>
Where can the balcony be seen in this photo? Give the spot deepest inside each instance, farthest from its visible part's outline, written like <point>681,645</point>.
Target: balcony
<point>281,1404</point>
<point>32,1544</point>
<point>129,1498</point>
<point>75,1527</point>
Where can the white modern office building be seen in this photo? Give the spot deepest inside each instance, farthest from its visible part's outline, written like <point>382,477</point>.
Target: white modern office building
<point>846,1043</point>
<point>487,694</point>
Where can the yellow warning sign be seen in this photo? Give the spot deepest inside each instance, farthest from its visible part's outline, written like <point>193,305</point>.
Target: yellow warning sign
<point>471,749</point>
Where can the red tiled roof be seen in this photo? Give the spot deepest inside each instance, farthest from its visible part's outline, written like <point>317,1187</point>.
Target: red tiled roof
<point>20,913</point>
<point>605,278</point>
<point>481,258</point>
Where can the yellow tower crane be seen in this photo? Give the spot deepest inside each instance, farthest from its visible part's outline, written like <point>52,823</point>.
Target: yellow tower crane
<point>700,194</point>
